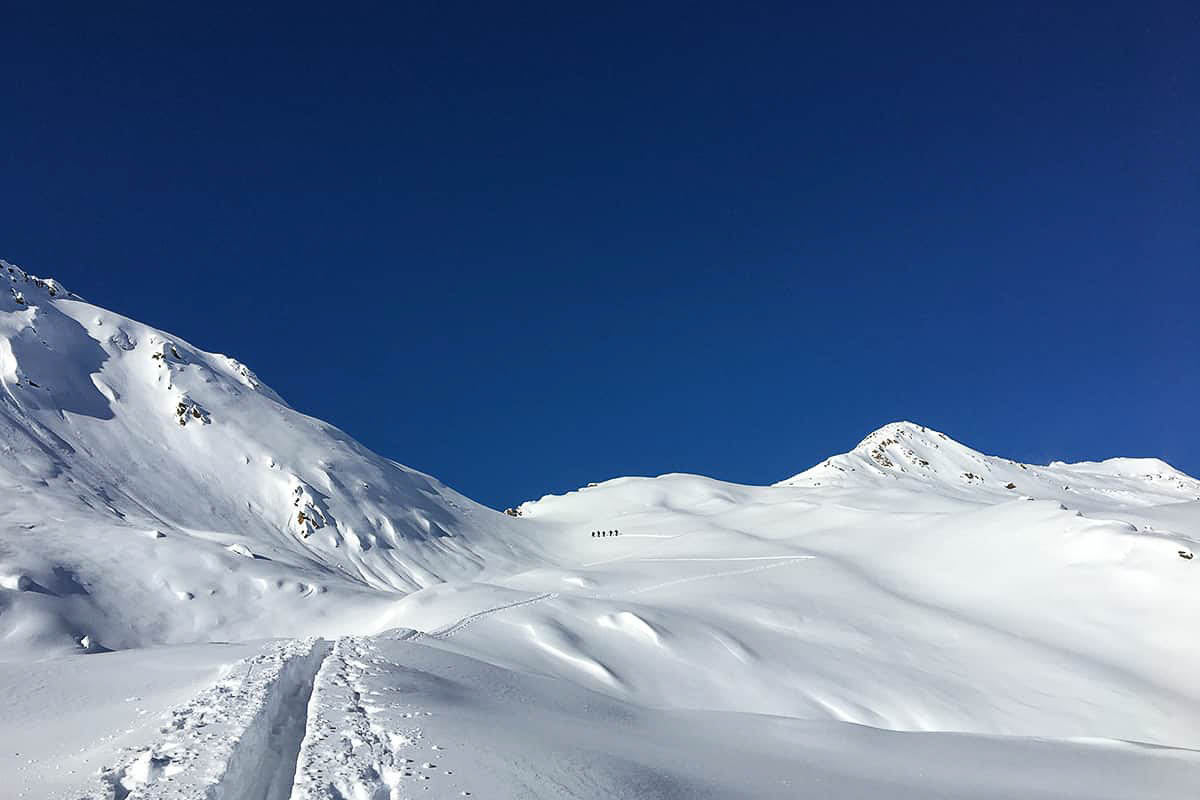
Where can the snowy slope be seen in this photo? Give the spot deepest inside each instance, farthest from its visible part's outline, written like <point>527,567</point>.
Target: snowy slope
<point>111,431</point>
<point>909,619</point>
<point>932,612</point>
<point>393,717</point>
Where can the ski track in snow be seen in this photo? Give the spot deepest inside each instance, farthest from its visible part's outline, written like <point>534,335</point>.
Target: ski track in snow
<point>237,739</point>
<point>343,755</point>
<point>292,723</point>
<point>449,630</point>
<point>727,558</point>
<point>707,576</point>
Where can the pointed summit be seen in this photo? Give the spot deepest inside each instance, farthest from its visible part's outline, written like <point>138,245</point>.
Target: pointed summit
<point>913,456</point>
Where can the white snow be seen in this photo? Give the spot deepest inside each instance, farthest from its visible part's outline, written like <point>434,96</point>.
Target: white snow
<point>909,619</point>
<point>237,738</point>
<point>65,719</point>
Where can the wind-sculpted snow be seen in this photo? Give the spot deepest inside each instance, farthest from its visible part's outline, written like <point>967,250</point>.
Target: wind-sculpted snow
<point>904,601</point>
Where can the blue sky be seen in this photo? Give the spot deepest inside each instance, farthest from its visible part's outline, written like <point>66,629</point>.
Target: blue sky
<point>526,247</point>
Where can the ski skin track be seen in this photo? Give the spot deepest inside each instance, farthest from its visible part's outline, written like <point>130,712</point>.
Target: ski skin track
<point>255,759</point>
<point>264,759</point>
<point>453,628</point>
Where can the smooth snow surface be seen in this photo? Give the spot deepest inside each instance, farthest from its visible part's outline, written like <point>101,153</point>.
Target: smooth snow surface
<point>910,619</point>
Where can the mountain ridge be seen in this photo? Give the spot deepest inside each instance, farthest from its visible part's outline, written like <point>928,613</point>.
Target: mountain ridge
<point>107,424</point>
<point>915,455</point>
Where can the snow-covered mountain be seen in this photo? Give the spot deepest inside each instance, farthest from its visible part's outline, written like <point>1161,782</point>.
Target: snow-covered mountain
<point>909,619</point>
<point>909,455</point>
<point>139,469</point>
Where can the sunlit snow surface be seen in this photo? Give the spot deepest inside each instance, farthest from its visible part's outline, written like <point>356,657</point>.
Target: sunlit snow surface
<point>909,619</point>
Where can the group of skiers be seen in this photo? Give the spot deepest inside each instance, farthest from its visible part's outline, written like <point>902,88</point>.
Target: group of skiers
<point>605,533</point>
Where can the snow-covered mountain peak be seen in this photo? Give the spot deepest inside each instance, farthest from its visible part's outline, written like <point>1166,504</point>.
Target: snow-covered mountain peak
<point>21,283</point>
<point>906,436</point>
<point>110,428</point>
<point>899,428</point>
<point>915,457</point>
<point>899,449</point>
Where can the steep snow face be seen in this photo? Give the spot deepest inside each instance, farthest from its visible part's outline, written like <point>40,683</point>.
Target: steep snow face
<point>911,456</point>
<point>120,442</point>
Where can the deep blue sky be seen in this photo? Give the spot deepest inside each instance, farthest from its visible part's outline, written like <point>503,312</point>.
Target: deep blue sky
<point>522,247</point>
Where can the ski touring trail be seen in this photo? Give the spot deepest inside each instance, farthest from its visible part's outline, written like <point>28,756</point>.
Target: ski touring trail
<point>239,738</point>
<point>305,719</point>
<point>450,630</point>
